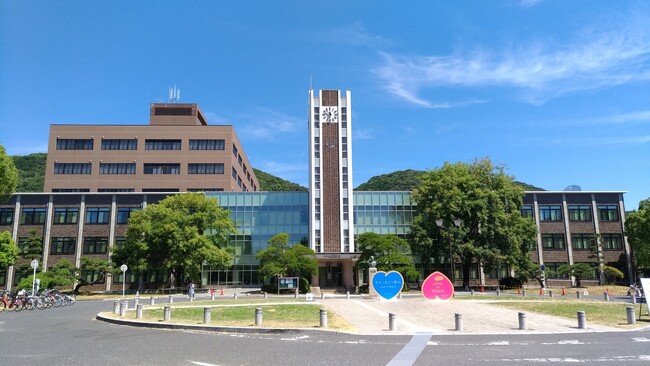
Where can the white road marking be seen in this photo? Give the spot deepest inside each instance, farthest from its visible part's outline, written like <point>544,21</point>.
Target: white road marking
<point>572,341</point>
<point>501,343</point>
<point>574,360</point>
<point>294,338</point>
<point>641,339</point>
<point>202,363</point>
<point>410,353</point>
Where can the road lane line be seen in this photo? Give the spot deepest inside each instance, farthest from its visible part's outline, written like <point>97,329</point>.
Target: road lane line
<point>411,352</point>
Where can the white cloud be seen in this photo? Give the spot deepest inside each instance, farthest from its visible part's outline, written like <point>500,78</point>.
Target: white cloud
<point>622,140</point>
<point>266,123</point>
<point>357,35</point>
<point>613,57</point>
<point>363,135</point>
<point>275,167</point>
<point>625,118</point>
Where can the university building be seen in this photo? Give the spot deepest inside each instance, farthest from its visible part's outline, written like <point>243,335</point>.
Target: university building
<point>97,175</point>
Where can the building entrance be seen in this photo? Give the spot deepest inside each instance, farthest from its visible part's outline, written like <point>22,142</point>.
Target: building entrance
<point>330,275</point>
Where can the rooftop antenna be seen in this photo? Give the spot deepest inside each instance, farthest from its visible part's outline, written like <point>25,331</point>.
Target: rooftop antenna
<point>174,94</point>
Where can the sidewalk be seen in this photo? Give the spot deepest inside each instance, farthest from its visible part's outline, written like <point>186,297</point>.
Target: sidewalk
<point>419,315</point>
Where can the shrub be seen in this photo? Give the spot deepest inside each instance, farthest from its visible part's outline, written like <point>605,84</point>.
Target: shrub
<point>510,282</point>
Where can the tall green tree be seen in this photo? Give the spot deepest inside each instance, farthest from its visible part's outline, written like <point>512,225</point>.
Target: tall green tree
<point>99,267</point>
<point>8,250</point>
<point>389,253</point>
<point>177,235</point>
<point>33,246</point>
<point>579,270</point>
<point>283,259</point>
<point>492,231</point>
<point>637,227</point>
<point>8,175</point>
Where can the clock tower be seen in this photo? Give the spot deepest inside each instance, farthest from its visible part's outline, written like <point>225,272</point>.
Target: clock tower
<point>330,187</point>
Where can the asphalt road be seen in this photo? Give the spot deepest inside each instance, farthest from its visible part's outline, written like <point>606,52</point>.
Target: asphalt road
<point>72,336</point>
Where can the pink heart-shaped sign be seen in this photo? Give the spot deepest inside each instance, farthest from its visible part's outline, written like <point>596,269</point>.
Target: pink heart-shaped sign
<point>437,286</point>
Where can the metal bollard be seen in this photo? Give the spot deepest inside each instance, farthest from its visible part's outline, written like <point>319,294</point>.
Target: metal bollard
<point>582,320</point>
<point>234,296</point>
<point>295,294</point>
<point>471,292</point>
<point>322,295</point>
<point>633,297</point>
<point>123,308</point>
<point>116,307</point>
<point>266,295</point>
<point>212,296</point>
<point>207,315</point>
<point>458,318</point>
<point>550,293</point>
<point>523,293</point>
<point>138,311</point>
<point>323,318</point>
<point>579,294</point>
<point>347,295</point>
<point>606,295</point>
<point>522,321</point>
<point>258,317</point>
<point>392,318</point>
<point>631,316</point>
<point>498,291</point>
<point>171,299</point>
<point>400,295</point>
<point>136,302</point>
<point>167,313</point>
<point>152,301</point>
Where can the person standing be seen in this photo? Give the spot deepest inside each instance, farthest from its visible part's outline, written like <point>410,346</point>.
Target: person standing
<point>190,291</point>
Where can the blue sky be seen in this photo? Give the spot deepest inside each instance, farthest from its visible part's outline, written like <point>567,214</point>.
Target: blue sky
<point>556,90</point>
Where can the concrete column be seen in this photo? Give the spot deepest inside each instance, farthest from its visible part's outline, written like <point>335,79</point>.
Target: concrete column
<point>171,299</point>
<point>138,311</point>
<point>522,321</point>
<point>116,307</point>
<point>582,320</point>
<point>167,312</point>
<point>347,273</point>
<point>152,301</point>
<point>631,317</point>
<point>207,315</point>
<point>258,317</point>
<point>392,321</point>
<point>123,308</point>
<point>372,271</point>
<point>458,319</point>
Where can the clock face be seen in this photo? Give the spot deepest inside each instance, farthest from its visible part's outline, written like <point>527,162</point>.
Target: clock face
<point>330,114</point>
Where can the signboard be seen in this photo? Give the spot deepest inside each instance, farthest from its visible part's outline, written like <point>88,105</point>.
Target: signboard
<point>437,286</point>
<point>387,285</point>
<point>289,283</point>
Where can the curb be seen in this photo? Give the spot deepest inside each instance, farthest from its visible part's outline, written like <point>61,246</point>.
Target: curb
<point>214,328</point>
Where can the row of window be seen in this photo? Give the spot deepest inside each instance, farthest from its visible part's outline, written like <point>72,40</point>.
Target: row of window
<point>582,241</point>
<point>132,144</point>
<point>65,215</point>
<point>130,168</point>
<point>576,212</point>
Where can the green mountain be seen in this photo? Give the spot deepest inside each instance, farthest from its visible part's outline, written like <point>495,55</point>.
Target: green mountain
<point>407,180</point>
<point>271,183</point>
<point>31,172</point>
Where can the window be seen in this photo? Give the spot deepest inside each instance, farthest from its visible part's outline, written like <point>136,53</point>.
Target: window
<point>579,213</point>
<point>119,241</point>
<point>607,212</point>
<point>74,144</point>
<point>234,150</point>
<point>208,168</point>
<point>123,214</point>
<point>553,241</point>
<point>611,241</point>
<point>63,245</point>
<point>115,190</point>
<point>66,215</point>
<point>95,245</point>
<point>69,190</point>
<point>582,241</point>
<point>550,213</point>
<point>162,145</point>
<point>73,168</point>
<point>32,216</point>
<point>239,160</point>
<point>551,270</point>
<point>207,144</point>
<point>97,215</point>
<point>205,189</point>
<point>6,216</point>
<point>527,211</point>
<point>116,168</point>
<point>88,276</point>
<point>162,169</point>
<point>119,144</point>
<point>233,173</point>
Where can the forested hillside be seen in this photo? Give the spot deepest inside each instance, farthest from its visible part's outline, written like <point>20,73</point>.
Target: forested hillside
<point>31,171</point>
<point>271,183</point>
<point>407,180</point>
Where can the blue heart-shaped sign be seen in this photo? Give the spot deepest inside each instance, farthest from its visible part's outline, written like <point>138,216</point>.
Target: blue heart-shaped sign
<point>388,285</point>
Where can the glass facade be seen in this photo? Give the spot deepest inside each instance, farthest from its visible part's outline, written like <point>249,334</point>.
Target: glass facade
<point>383,212</point>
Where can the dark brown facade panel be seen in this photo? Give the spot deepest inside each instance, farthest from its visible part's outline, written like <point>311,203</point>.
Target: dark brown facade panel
<point>330,193</point>
<point>34,200</point>
<point>330,98</point>
<point>582,199</point>
<point>581,227</point>
<point>556,256</point>
<point>104,200</point>
<point>64,231</point>
<point>551,227</point>
<point>549,199</point>
<point>607,198</point>
<point>66,200</point>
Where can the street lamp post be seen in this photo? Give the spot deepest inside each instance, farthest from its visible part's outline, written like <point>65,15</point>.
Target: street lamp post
<point>123,268</point>
<point>34,265</point>
<point>441,224</point>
